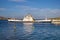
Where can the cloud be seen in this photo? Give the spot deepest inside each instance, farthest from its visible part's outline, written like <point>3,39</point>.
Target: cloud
<point>27,8</point>
<point>18,0</point>
<point>55,11</point>
<point>39,11</point>
<point>2,9</point>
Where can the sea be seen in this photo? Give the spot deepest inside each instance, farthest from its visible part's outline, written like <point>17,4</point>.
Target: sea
<point>29,31</point>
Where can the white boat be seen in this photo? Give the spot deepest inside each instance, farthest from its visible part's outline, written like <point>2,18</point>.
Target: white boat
<point>14,20</point>
<point>28,18</point>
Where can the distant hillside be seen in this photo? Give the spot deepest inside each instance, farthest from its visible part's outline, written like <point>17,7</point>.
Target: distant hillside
<point>3,18</point>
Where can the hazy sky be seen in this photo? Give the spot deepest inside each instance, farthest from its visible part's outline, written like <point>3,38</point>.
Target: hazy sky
<point>38,8</point>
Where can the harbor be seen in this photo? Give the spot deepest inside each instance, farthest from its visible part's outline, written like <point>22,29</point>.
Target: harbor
<point>29,18</point>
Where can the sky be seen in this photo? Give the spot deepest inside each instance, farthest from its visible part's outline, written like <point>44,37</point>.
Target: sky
<point>37,8</point>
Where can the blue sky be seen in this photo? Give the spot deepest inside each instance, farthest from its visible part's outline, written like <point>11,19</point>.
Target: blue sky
<point>38,8</point>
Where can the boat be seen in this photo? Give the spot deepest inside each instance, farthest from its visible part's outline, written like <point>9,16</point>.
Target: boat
<point>28,18</point>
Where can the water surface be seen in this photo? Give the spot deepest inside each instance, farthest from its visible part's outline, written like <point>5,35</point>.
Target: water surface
<point>29,31</point>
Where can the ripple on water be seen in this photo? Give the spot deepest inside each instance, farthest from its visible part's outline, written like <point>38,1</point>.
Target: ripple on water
<point>37,31</point>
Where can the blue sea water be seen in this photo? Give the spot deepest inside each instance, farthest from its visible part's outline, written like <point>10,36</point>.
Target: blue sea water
<point>29,31</point>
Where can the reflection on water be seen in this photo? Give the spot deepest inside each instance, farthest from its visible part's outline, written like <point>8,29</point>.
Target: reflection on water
<point>29,31</point>
<point>28,28</point>
<point>11,31</point>
<point>14,27</point>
